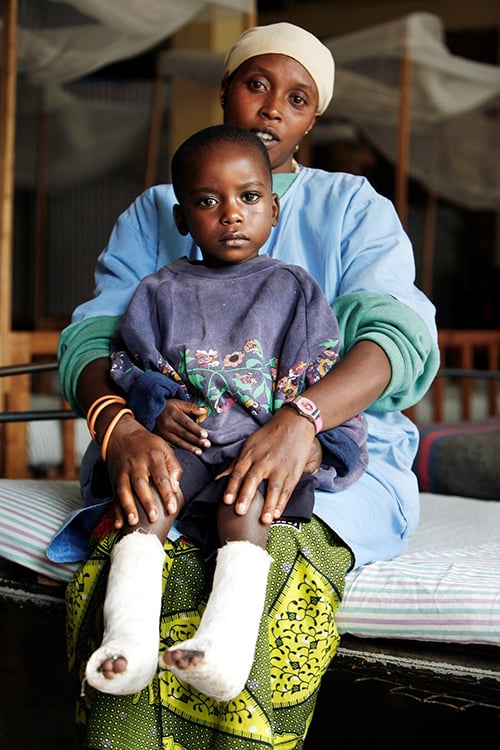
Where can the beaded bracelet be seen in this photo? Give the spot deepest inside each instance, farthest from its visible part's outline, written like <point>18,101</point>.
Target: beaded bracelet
<point>97,407</point>
<point>109,429</point>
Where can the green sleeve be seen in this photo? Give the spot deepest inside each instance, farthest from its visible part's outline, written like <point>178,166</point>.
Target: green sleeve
<point>79,345</point>
<point>404,337</point>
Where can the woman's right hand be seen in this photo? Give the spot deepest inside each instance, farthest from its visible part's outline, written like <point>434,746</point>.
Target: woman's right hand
<point>135,457</point>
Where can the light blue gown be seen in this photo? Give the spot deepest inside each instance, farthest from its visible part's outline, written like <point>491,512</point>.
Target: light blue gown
<point>350,240</point>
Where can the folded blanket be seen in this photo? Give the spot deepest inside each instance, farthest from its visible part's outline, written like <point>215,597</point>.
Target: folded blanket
<point>460,458</point>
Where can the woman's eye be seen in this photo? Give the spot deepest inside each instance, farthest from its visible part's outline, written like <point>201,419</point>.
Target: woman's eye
<point>297,99</point>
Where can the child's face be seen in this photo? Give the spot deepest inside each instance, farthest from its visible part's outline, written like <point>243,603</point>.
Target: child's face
<point>227,204</point>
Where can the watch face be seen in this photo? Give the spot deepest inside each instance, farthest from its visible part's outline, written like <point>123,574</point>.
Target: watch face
<point>306,405</point>
<point>309,410</point>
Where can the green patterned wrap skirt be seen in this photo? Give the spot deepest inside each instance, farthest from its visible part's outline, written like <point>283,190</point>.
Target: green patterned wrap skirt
<point>297,640</point>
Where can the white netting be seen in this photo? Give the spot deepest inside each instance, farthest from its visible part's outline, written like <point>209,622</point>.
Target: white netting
<point>454,103</point>
<point>59,43</point>
<point>454,106</point>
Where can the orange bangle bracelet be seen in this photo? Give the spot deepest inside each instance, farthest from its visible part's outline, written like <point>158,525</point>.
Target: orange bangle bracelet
<point>98,401</point>
<point>101,399</point>
<point>97,407</point>
<point>111,426</point>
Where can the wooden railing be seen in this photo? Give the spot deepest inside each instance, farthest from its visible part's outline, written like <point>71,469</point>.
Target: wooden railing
<point>30,352</point>
<point>467,357</point>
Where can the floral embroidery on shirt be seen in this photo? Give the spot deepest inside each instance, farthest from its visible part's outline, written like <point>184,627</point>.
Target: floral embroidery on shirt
<point>291,384</point>
<point>219,380</point>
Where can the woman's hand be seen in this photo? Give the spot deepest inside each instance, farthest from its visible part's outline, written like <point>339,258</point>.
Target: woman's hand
<point>135,457</point>
<point>315,458</point>
<point>178,425</point>
<point>280,451</point>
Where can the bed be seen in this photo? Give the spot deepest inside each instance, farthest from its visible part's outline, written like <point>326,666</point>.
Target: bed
<point>431,616</point>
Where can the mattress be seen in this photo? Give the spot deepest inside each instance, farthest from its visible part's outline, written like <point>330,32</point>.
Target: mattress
<point>444,588</point>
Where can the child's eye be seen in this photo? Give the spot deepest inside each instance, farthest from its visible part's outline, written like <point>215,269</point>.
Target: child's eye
<point>251,197</point>
<point>209,202</point>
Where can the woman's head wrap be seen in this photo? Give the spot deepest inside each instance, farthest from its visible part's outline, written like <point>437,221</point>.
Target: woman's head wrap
<point>287,39</point>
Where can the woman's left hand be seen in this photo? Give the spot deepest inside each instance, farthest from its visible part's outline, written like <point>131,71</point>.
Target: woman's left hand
<point>279,452</point>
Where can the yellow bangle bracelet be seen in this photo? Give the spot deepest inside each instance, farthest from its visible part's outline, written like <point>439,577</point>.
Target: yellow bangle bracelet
<point>111,426</point>
<point>97,407</point>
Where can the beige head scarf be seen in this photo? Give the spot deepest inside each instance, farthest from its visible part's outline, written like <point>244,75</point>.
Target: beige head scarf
<point>287,39</point>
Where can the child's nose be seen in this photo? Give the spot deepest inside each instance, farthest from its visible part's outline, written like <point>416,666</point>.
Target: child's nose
<point>232,215</point>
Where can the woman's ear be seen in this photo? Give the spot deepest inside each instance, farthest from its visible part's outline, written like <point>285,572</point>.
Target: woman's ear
<point>314,120</point>
<point>180,220</point>
<point>222,93</point>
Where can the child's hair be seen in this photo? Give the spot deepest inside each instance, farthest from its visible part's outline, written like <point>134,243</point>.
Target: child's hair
<point>189,150</point>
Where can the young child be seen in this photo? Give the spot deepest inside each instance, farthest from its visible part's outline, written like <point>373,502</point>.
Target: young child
<point>232,338</point>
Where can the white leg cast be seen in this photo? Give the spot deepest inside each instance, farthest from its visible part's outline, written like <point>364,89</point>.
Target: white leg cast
<point>131,615</point>
<point>228,630</point>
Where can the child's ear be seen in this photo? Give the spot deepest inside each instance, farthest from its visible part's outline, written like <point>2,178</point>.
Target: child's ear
<point>180,220</point>
<point>276,209</point>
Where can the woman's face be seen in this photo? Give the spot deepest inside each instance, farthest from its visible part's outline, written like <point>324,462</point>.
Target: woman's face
<point>275,97</point>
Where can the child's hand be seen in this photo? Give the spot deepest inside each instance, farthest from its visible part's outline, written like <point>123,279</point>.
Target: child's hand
<point>178,425</point>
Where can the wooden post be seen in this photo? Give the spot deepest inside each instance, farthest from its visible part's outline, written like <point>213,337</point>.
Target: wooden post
<point>40,259</point>
<point>214,36</point>
<point>429,244</point>
<point>155,130</point>
<point>403,146</point>
<point>193,105</point>
<point>8,84</point>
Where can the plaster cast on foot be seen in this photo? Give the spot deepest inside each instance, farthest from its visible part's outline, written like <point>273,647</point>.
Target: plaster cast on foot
<point>131,615</point>
<point>228,630</point>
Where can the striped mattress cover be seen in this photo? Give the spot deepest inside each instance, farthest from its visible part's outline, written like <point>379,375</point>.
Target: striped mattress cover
<point>444,588</point>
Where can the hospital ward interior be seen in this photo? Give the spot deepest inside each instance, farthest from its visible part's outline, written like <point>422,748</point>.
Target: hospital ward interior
<point>95,97</point>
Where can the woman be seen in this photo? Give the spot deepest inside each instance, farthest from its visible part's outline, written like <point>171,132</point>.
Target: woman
<point>278,80</point>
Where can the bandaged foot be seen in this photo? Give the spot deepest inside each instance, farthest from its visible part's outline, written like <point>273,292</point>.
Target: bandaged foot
<point>127,659</point>
<point>218,659</point>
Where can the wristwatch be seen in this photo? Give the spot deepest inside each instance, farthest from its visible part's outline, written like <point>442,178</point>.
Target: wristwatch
<point>308,409</point>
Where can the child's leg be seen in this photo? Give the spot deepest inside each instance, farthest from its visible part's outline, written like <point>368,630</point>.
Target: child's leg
<point>127,658</point>
<point>218,659</point>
